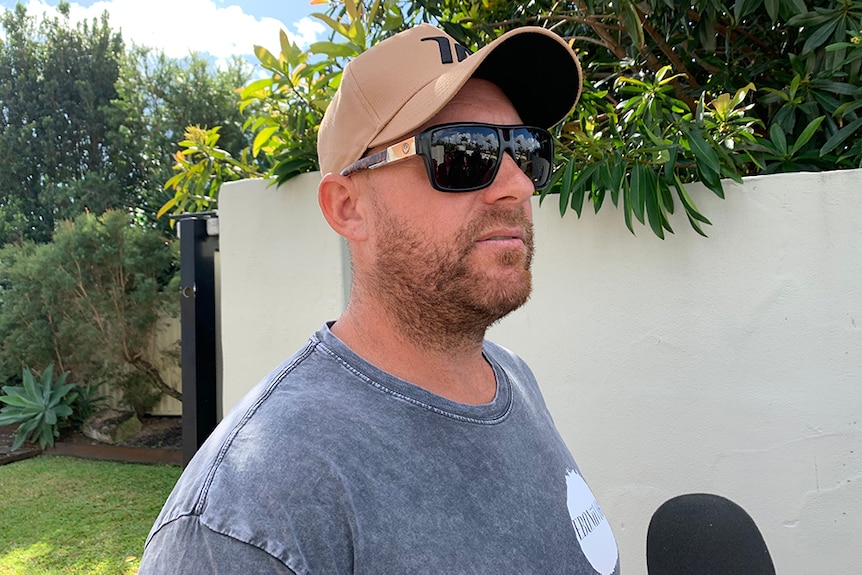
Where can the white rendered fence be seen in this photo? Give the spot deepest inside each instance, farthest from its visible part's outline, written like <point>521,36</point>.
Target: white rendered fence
<point>730,365</point>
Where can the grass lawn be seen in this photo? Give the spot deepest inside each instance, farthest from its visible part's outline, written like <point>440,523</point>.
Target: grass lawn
<point>65,516</point>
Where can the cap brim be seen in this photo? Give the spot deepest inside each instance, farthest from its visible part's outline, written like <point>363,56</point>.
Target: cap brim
<point>534,67</point>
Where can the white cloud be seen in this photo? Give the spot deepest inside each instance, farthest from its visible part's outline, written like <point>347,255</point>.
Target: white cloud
<point>182,26</point>
<point>307,30</point>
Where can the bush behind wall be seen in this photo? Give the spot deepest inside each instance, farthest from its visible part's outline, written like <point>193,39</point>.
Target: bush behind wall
<point>89,302</point>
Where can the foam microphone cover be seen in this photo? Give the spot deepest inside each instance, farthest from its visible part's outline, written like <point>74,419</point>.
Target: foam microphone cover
<point>703,534</point>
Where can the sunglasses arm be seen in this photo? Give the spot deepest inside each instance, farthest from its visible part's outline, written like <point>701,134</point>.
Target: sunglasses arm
<point>394,153</point>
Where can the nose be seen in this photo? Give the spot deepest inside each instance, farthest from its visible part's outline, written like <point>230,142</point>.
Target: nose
<point>510,185</point>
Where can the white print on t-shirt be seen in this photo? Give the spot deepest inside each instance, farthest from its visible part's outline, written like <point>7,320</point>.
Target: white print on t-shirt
<point>590,525</point>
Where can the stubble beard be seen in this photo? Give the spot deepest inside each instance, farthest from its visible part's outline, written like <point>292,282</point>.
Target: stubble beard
<point>442,296</point>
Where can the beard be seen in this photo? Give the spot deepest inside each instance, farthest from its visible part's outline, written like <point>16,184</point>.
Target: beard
<point>444,295</point>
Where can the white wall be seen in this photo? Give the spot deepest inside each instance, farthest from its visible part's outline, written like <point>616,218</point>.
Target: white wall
<point>730,365</point>
<point>282,276</point>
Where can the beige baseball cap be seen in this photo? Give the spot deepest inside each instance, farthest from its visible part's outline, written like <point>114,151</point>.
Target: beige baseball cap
<point>396,86</point>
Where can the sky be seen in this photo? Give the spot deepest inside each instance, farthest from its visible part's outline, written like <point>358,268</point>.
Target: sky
<point>221,28</point>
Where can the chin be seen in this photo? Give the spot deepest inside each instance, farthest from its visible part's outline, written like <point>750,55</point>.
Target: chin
<point>506,293</point>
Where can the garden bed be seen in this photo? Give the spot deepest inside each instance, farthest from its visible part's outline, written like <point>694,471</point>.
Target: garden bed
<point>7,437</point>
<point>159,441</point>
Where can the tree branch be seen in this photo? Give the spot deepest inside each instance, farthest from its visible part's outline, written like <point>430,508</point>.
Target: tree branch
<point>672,57</point>
<point>152,372</point>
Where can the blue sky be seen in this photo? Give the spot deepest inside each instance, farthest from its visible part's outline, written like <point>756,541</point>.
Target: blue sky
<point>219,27</point>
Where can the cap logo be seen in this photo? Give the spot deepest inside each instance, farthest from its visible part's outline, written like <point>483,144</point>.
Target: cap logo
<point>445,45</point>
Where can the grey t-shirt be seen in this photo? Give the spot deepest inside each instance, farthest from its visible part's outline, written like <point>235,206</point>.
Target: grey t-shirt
<point>331,465</point>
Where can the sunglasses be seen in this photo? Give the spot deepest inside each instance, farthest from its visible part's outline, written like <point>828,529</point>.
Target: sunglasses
<point>464,157</point>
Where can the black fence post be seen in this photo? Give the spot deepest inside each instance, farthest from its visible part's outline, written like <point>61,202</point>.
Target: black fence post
<point>198,329</point>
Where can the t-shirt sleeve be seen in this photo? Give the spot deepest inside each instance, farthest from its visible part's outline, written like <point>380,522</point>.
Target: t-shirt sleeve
<point>186,547</point>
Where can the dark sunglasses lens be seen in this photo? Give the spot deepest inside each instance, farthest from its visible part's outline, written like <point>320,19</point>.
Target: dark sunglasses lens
<point>464,157</point>
<point>533,153</point>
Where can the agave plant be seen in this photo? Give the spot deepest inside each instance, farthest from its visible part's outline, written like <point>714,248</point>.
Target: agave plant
<point>37,407</point>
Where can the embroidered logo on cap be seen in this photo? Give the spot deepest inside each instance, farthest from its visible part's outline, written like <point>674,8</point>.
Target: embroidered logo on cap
<point>445,45</point>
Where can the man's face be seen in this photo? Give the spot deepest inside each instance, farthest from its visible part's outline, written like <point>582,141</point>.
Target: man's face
<point>451,263</point>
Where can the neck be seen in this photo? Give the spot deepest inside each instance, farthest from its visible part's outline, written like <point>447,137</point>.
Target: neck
<point>447,364</point>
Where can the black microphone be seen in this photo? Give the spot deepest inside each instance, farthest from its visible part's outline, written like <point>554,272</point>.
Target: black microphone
<point>703,534</point>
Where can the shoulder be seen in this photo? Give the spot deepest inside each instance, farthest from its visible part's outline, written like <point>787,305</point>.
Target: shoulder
<point>187,546</point>
<point>273,433</point>
<point>244,482</point>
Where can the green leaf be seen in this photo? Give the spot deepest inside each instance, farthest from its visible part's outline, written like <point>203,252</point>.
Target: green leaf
<point>30,383</point>
<point>776,135</point>
<point>772,9</point>
<point>15,401</point>
<point>45,435</point>
<point>10,418</point>
<point>638,191</point>
<point>627,207</point>
<point>47,381</point>
<point>807,19</point>
<point>618,176</point>
<point>170,204</point>
<point>14,390</point>
<point>666,198</point>
<point>705,156</point>
<point>63,410</point>
<point>335,25</point>
<point>706,31</point>
<point>740,10</point>
<point>350,7</point>
<point>287,49</point>
<point>19,441</point>
<point>714,186</point>
<point>372,12</point>
<point>665,203</point>
<point>633,81</point>
<point>842,88</point>
<point>566,186</point>
<point>651,192</point>
<point>287,169</point>
<point>664,81</point>
<point>30,425</point>
<point>262,138</point>
<point>819,36</point>
<point>357,34</point>
<point>696,226</point>
<point>806,134</point>
<point>838,137</point>
<point>334,50</point>
<point>393,22</point>
<point>687,203</point>
<point>740,95</point>
<point>846,108</point>
<point>598,200</point>
<point>632,23</point>
<point>582,181</point>
<point>265,57</point>
<point>795,6</point>
<point>60,392</point>
<point>256,86</point>
<point>552,185</point>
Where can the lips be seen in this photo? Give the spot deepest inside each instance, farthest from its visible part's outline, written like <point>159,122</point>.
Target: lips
<point>503,234</point>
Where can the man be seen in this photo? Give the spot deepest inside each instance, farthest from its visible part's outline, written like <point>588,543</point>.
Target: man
<point>398,440</point>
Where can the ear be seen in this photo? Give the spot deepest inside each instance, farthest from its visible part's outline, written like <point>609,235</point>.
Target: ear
<point>340,201</point>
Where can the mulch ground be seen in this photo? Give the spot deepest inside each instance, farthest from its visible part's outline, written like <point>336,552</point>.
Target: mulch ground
<point>7,437</point>
<point>159,441</point>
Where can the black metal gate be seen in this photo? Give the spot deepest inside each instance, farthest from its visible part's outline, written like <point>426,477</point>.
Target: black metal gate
<point>198,245</point>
